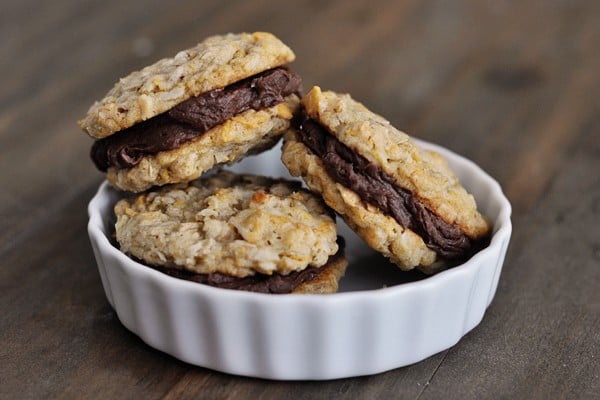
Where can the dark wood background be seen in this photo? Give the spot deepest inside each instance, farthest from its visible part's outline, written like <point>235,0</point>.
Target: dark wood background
<point>513,85</point>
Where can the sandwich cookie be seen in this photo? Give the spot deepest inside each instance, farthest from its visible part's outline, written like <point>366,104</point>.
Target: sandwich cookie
<point>235,231</point>
<point>404,202</point>
<point>227,97</point>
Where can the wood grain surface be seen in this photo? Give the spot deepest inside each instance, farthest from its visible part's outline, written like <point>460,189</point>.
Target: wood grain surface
<point>512,85</point>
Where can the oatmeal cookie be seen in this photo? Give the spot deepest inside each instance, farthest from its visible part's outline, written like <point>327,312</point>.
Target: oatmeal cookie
<point>403,201</point>
<point>231,226</point>
<point>233,93</point>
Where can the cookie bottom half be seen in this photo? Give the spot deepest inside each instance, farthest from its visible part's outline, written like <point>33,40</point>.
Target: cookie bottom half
<point>248,133</point>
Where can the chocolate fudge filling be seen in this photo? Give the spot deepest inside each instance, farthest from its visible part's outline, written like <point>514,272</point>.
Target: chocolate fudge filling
<point>191,118</point>
<point>376,187</point>
<point>259,283</point>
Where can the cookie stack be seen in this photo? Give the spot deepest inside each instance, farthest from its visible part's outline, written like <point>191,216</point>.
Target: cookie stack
<point>164,131</point>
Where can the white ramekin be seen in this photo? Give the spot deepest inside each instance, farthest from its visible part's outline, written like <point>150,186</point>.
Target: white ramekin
<point>373,325</point>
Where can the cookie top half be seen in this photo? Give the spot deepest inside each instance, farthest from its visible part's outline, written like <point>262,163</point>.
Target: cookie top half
<point>424,175</point>
<point>212,64</point>
<point>237,225</point>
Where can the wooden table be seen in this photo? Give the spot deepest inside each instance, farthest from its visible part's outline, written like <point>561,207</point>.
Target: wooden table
<point>513,86</point>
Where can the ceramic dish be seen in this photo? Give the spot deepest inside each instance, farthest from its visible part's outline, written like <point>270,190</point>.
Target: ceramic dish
<point>382,318</point>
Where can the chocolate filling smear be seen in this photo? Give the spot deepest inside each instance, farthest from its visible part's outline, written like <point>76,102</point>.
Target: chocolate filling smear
<point>376,187</point>
<point>191,118</point>
<point>259,283</point>
<point>276,283</point>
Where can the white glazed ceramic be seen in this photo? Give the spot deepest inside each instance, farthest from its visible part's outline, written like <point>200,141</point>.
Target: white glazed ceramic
<point>379,320</point>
